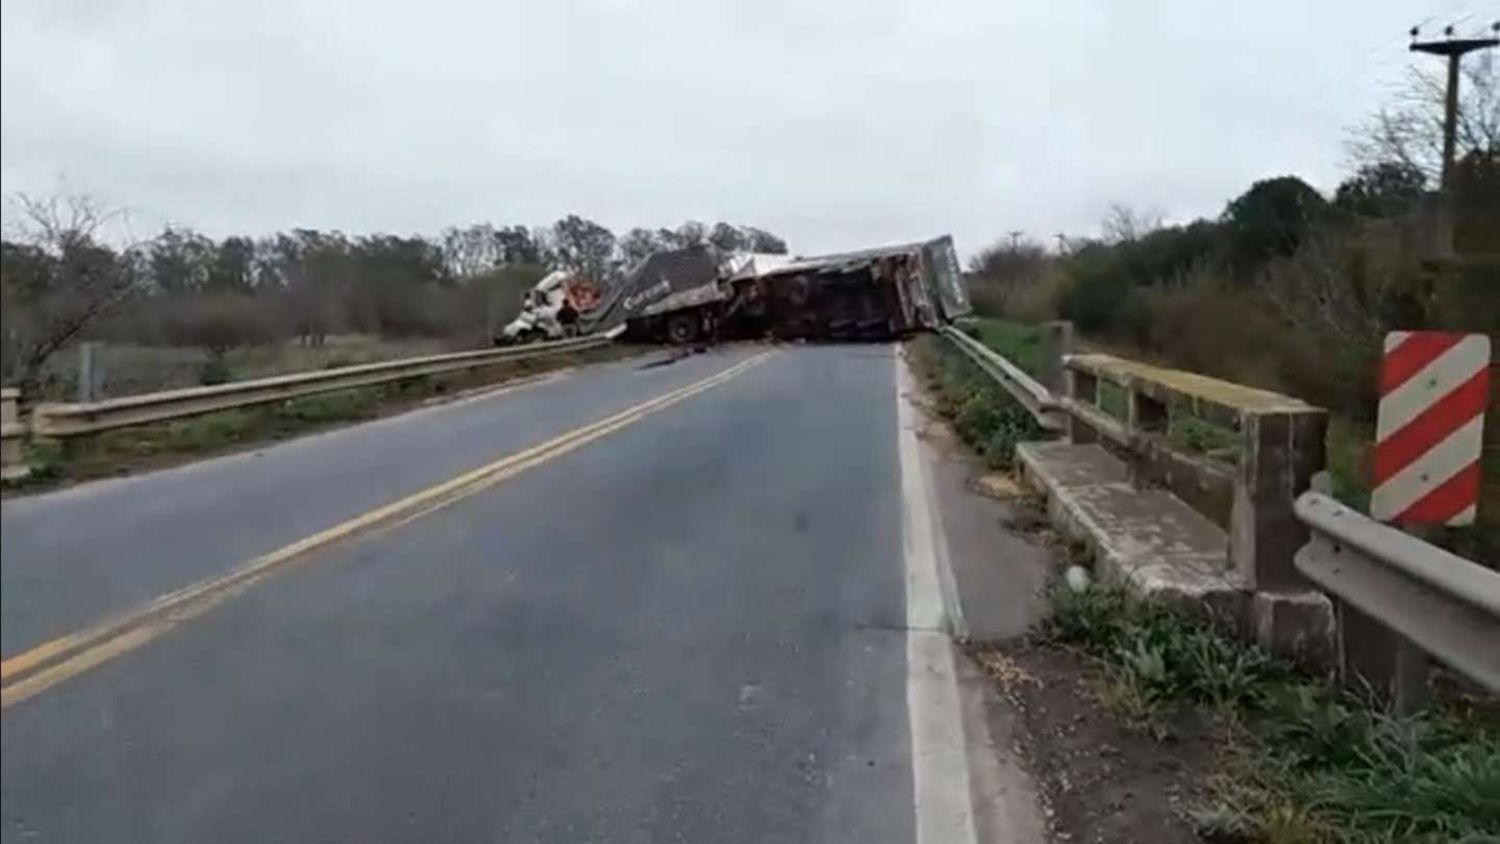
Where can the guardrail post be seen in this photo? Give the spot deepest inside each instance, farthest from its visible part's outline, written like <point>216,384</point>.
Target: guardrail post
<point>1083,387</point>
<point>1280,453</point>
<point>12,437</point>
<point>1392,666</point>
<point>1057,343</point>
<point>86,373</point>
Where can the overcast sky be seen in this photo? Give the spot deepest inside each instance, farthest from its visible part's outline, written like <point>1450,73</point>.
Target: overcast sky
<point>835,124</point>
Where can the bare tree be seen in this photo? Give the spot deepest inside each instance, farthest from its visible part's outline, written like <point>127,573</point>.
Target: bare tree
<point>690,233</point>
<point>59,277</point>
<point>1409,131</point>
<point>760,240</point>
<point>472,251</point>
<point>638,244</point>
<point>584,245</point>
<point>1123,224</point>
<point>728,238</point>
<point>1002,270</point>
<point>1340,289</point>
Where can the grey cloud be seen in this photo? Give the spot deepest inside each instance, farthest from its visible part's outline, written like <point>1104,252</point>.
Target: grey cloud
<point>836,124</point>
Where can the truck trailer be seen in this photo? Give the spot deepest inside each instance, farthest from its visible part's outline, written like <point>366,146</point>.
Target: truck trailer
<point>695,294</point>
<point>700,293</point>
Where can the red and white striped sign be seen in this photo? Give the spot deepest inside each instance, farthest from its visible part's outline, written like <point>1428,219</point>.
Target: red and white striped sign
<point>1433,390</point>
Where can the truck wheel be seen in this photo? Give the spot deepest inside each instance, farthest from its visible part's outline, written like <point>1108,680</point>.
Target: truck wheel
<point>682,329</point>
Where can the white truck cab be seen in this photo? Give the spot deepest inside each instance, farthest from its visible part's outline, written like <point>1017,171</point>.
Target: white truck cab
<point>547,312</point>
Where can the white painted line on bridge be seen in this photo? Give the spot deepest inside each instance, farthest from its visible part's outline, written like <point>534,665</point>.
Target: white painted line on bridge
<point>942,803</point>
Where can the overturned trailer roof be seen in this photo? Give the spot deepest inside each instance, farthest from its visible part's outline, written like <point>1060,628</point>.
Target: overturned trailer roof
<point>837,262</point>
<point>657,282</point>
<point>881,292</point>
<point>940,277</point>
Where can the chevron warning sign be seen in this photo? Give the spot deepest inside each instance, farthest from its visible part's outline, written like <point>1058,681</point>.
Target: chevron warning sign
<point>1434,387</point>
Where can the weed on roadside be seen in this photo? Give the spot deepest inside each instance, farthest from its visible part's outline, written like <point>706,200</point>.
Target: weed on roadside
<point>984,417</point>
<point>1305,761</point>
<point>1020,343</point>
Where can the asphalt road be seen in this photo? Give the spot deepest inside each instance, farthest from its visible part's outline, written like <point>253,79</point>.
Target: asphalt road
<point>73,556</point>
<point>693,629</point>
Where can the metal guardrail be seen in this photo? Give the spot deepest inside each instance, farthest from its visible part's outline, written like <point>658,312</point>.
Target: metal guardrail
<point>1440,602</point>
<point>1037,399</point>
<point>62,421</point>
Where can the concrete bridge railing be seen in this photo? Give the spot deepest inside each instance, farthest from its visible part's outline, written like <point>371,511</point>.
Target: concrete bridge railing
<point>1237,527</point>
<point>1273,446</point>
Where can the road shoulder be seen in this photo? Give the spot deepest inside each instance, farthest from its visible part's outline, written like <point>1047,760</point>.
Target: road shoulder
<point>1057,758</point>
<point>968,781</point>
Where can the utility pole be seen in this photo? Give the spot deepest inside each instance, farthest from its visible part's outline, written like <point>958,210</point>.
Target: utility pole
<point>1454,49</point>
<point>1015,239</point>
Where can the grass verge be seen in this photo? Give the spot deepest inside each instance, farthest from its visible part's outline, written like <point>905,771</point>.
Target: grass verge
<point>983,415</point>
<point>180,440</point>
<point>1303,761</point>
<point>1018,342</point>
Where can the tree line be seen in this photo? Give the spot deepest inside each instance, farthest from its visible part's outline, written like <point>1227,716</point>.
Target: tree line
<point>62,279</point>
<point>1287,287</point>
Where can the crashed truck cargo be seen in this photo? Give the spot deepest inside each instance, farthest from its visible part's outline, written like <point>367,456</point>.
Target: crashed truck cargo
<point>700,293</point>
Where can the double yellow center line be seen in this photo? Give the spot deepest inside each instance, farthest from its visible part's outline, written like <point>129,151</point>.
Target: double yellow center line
<point>31,672</point>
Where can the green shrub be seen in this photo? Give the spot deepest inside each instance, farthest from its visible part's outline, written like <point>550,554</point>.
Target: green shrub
<point>1326,763</point>
<point>1019,343</point>
<point>215,371</point>
<point>1096,619</point>
<point>1200,437</point>
<point>984,416</point>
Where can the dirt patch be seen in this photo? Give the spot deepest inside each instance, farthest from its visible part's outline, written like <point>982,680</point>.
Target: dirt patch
<point>1003,487</point>
<point>1100,778</point>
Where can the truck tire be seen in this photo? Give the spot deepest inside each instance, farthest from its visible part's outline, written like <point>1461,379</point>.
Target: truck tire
<point>682,329</point>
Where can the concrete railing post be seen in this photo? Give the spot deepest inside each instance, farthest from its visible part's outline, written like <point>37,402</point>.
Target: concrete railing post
<point>1057,344</point>
<point>1084,389</point>
<point>1143,415</point>
<point>12,437</point>
<point>1280,452</point>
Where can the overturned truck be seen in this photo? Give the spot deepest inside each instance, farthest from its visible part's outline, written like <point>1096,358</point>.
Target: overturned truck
<point>701,294</point>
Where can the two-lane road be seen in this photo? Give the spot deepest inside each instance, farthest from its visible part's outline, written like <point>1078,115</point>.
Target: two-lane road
<point>710,621</point>
<point>105,547</point>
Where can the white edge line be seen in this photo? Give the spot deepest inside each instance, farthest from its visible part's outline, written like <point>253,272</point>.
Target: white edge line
<point>942,805</point>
